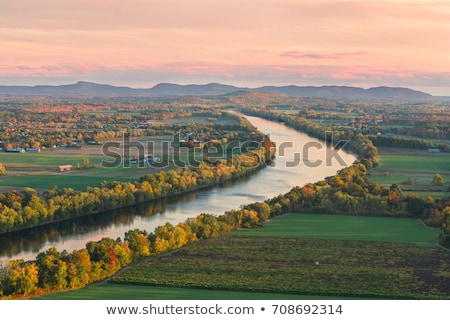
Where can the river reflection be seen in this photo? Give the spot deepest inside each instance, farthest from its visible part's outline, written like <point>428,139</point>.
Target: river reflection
<point>278,178</point>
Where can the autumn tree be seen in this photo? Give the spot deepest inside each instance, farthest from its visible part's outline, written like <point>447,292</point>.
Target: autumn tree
<point>138,242</point>
<point>20,277</point>
<point>99,250</point>
<point>52,270</point>
<point>78,268</point>
<point>2,169</point>
<point>85,162</point>
<point>438,180</point>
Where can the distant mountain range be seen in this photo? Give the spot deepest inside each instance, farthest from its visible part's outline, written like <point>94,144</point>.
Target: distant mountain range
<point>168,89</point>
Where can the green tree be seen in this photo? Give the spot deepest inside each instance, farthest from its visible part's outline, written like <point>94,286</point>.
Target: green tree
<point>52,270</point>
<point>262,209</point>
<point>138,242</point>
<point>99,251</point>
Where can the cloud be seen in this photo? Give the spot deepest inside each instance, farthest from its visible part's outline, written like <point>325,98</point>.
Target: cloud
<point>51,68</point>
<point>317,55</point>
<point>24,68</point>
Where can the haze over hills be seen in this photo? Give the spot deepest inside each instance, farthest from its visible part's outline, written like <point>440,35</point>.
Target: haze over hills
<point>168,89</point>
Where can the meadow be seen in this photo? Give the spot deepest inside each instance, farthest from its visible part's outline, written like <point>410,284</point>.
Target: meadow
<point>412,170</point>
<point>343,227</point>
<point>113,291</point>
<point>40,170</point>
<point>293,257</point>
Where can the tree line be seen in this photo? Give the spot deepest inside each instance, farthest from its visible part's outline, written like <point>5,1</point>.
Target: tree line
<point>409,143</point>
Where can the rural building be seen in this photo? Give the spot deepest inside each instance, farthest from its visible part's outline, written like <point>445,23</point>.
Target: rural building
<point>33,149</point>
<point>18,150</point>
<point>65,168</point>
<point>186,140</point>
<point>433,150</point>
<point>93,142</point>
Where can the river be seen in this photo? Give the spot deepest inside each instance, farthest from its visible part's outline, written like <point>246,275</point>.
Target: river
<point>289,169</point>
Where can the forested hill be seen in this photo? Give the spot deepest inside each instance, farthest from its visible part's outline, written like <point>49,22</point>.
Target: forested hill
<point>167,89</point>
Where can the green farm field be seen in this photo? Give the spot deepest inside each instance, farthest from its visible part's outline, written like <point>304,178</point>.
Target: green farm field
<point>436,162</point>
<point>293,257</point>
<point>412,170</point>
<point>48,159</point>
<point>341,227</point>
<point>40,170</point>
<point>113,291</point>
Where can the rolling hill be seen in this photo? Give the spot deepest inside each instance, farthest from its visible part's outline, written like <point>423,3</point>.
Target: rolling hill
<point>91,89</point>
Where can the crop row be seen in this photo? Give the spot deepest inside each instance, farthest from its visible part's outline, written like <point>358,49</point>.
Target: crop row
<point>301,266</point>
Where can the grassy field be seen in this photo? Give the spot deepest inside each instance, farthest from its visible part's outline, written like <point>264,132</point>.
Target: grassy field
<point>341,227</point>
<point>293,257</point>
<point>413,171</point>
<point>134,292</point>
<point>78,179</point>
<point>436,162</point>
<point>48,159</point>
<point>40,170</point>
<point>42,178</point>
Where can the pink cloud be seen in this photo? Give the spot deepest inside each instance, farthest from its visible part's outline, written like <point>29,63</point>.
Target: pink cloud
<point>24,68</point>
<point>51,68</point>
<point>317,55</point>
<point>344,75</point>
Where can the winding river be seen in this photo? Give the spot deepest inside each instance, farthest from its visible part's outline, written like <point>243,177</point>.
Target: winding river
<point>300,159</point>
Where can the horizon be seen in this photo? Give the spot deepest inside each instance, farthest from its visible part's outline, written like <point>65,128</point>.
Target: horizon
<point>217,83</point>
<point>139,44</point>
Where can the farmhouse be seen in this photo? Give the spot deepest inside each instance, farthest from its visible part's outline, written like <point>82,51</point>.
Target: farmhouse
<point>65,168</point>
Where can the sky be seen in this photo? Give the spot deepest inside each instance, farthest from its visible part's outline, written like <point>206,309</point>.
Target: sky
<point>248,43</point>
